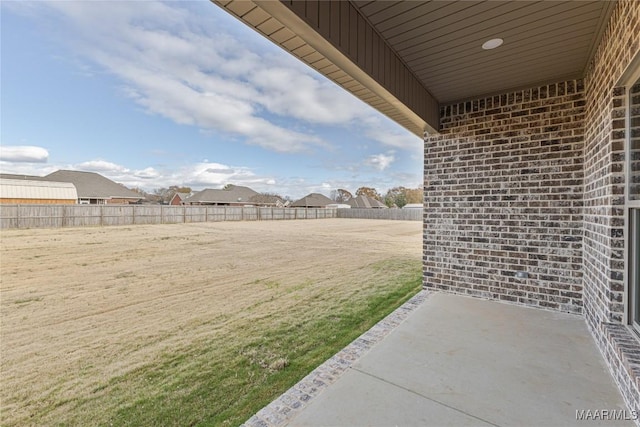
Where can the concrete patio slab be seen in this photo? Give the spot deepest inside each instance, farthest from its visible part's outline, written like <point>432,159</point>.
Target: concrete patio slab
<point>457,360</point>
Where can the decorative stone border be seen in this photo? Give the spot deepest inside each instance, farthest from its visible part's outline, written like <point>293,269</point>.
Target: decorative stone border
<point>282,410</point>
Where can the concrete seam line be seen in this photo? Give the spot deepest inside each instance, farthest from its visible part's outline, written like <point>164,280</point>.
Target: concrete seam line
<point>425,397</point>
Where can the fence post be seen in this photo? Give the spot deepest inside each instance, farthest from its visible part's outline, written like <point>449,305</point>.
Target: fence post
<point>18,216</point>
<point>184,214</point>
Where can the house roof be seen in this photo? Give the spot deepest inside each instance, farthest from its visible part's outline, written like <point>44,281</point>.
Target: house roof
<point>312,200</point>
<point>33,189</point>
<point>23,177</point>
<point>91,185</point>
<point>408,58</point>
<point>233,194</point>
<point>265,199</point>
<point>181,196</point>
<point>365,202</point>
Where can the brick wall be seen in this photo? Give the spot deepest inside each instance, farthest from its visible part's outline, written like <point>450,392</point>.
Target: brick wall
<point>604,197</point>
<point>503,193</point>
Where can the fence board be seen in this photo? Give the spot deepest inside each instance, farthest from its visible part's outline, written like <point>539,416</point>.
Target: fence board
<point>9,216</point>
<point>118,214</point>
<point>195,214</point>
<point>395,214</point>
<point>83,215</point>
<point>147,214</point>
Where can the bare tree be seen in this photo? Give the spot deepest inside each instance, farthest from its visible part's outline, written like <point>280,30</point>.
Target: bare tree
<point>341,195</point>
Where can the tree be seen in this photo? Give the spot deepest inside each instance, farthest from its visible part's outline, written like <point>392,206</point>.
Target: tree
<point>401,196</point>
<point>341,195</point>
<point>414,195</point>
<point>369,192</point>
<point>165,194</point>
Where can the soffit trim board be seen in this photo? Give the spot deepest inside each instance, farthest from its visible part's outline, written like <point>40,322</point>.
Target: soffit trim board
<point>303,30</point>
<point>400,57</point>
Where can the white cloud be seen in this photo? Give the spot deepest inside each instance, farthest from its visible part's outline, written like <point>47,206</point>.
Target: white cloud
<point>194,70</point>
<point>381,161</point>
<point>23,153</point>
<point>387,132</point>
<point>101,166</point>
<point>288,91</point>
<point>177,65</point>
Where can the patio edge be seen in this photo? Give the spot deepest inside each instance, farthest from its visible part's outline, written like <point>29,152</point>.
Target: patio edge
<point>283,409</point>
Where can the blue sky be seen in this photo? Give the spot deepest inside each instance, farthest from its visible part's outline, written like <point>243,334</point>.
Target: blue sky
<point>155,94</point>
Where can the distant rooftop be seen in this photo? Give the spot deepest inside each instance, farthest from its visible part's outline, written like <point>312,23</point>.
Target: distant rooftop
<point>233,194</point>
<point>92,185</point>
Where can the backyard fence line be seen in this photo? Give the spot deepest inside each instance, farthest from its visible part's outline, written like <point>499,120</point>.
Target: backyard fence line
<point>395,214</point>
<point>56,216</point>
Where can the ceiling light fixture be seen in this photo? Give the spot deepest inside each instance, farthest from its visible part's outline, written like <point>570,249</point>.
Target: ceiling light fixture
<point>492,44</point>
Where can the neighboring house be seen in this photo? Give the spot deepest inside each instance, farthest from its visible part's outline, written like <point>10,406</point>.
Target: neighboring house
<point>338,206</point>
<point>313,200</point>
<point>267,200</point>
<point>23,191</point>
<point>233,195</point>
<point>179,198</point>
<point>531,159</point>
<point>366,202</point>
<point>95,189</point>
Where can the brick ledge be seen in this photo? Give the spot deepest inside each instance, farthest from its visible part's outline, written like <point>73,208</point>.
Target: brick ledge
<point>625,346</point>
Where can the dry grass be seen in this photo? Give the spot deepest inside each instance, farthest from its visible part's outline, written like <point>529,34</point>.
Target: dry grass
<point>99,322</point>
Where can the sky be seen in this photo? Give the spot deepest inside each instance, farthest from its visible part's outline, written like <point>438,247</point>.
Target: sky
<point>154,94</point>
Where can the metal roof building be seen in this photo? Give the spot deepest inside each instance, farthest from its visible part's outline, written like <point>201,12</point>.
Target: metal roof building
<point>31,191</point>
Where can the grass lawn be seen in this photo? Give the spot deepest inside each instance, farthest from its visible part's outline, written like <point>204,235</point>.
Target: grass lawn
<point>224,381</point>
<point>196,324</point>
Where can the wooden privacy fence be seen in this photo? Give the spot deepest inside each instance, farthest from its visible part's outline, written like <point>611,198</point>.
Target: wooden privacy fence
<point>397,214</point>
<point>52,216</point>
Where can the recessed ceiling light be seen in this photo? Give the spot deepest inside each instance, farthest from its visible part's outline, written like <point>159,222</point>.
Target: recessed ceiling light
<point>492,44</point>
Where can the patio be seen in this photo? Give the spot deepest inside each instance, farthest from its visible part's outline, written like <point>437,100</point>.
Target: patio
<point>444,359</point>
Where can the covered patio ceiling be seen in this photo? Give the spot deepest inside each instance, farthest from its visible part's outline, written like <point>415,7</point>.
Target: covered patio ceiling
<point>406,58</point>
